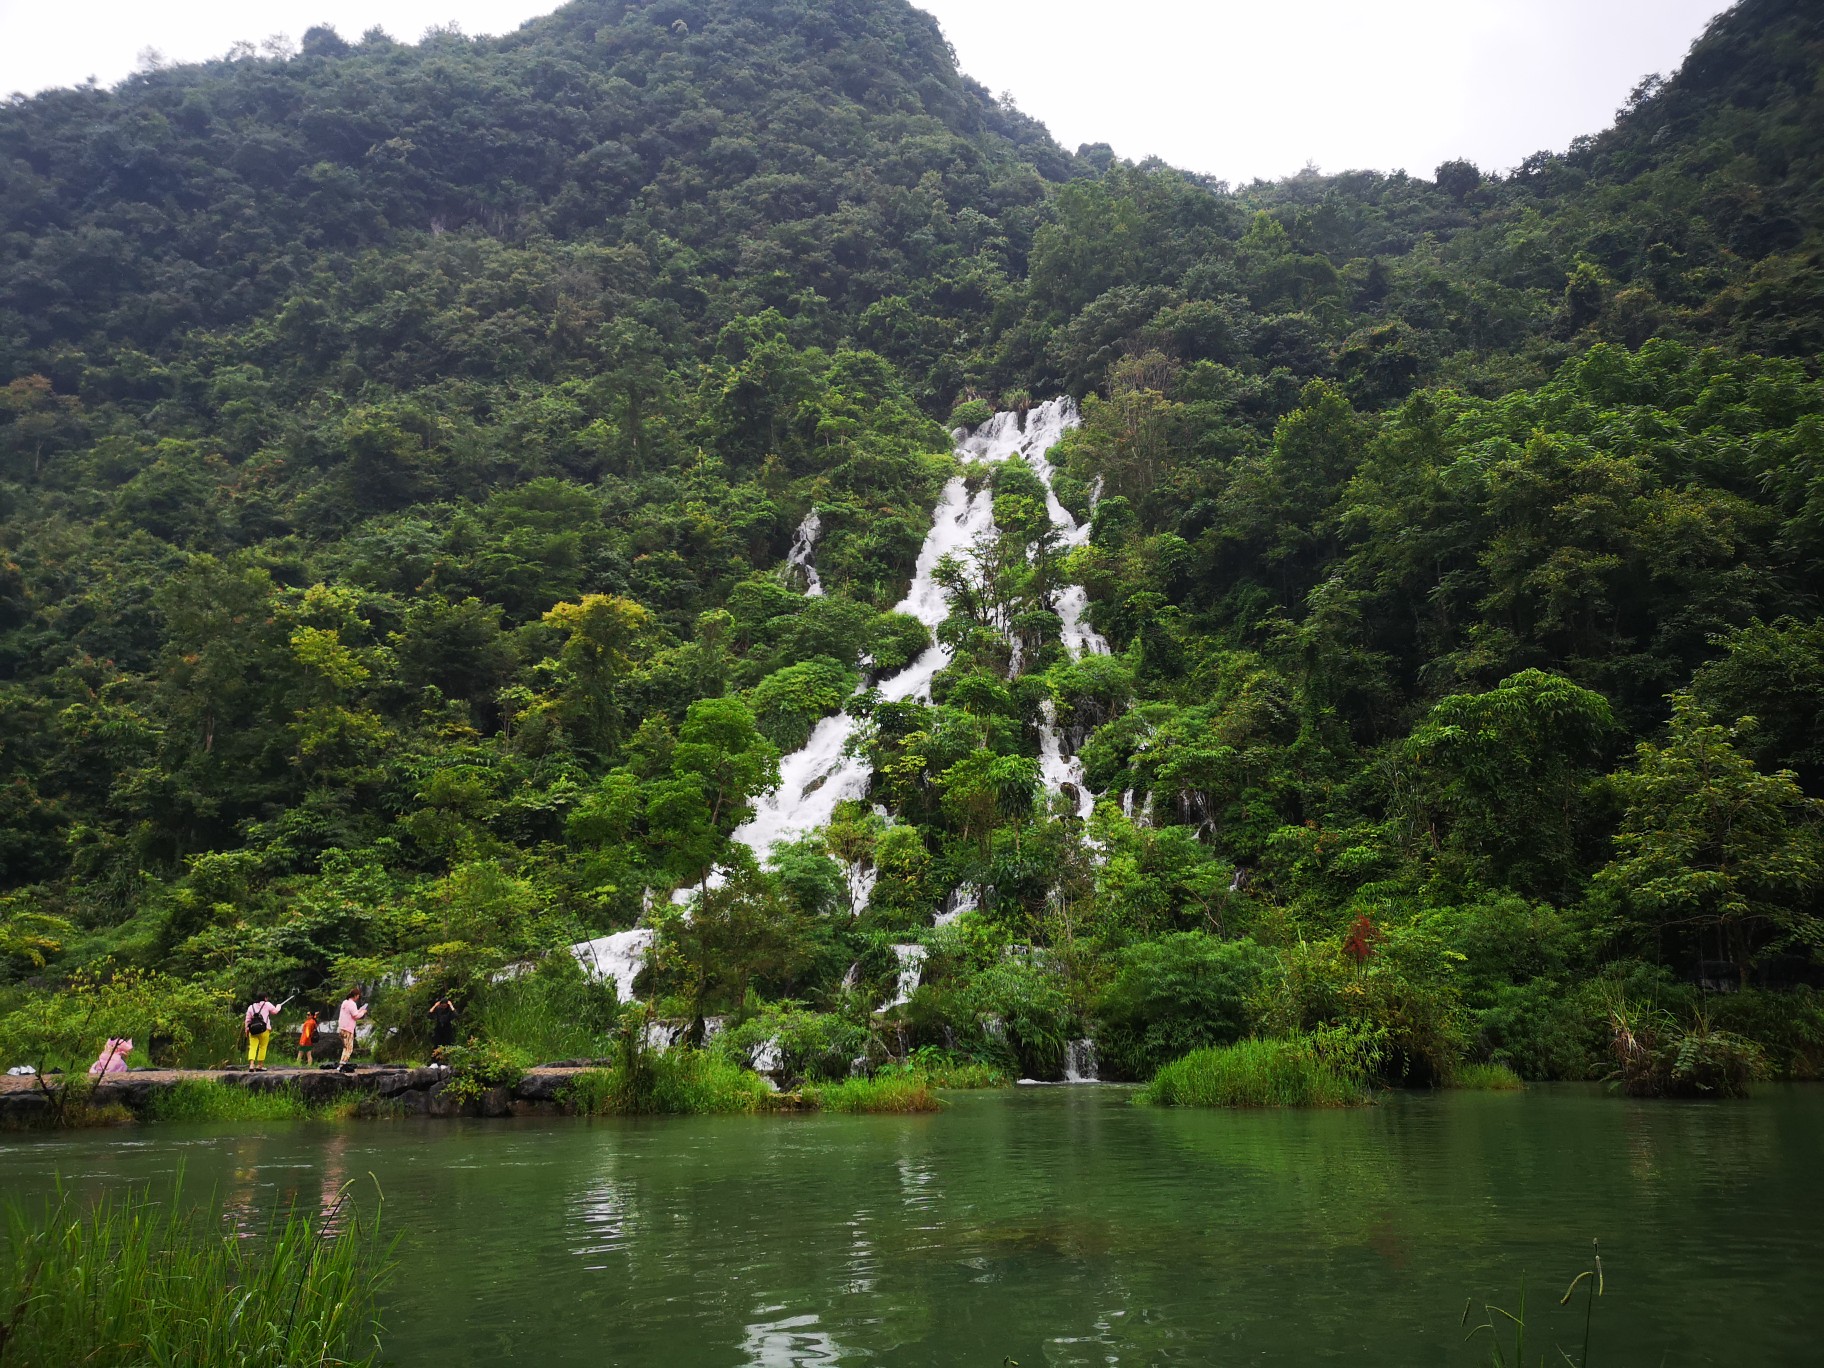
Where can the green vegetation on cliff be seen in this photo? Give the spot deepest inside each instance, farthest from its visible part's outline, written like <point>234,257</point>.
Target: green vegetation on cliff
<point>401,449</point>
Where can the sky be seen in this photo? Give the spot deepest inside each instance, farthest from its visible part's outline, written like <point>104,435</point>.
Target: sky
<point>1232,88</point>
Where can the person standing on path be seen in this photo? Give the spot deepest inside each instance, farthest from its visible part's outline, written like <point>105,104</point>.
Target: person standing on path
<point>258,1023</point>
<point>350,1012</point>
<point>443,1026</point>
<point>307,1037</point>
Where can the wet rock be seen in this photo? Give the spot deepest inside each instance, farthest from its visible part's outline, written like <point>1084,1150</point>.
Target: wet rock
<point>541,1087</point>
<point>24,1110</point>
<point>396,1082</point>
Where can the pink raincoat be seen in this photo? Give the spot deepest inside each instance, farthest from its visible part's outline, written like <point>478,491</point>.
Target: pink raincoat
<point>113,1056</point>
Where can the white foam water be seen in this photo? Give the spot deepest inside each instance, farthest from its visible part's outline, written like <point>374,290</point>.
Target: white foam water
<point>619,957</point>
<point>804,543</point>
<point>821,774</point>
<point>911,969</point>
<point>814,779</point>
<point>1080,1062</point>
<point>1058,769</point>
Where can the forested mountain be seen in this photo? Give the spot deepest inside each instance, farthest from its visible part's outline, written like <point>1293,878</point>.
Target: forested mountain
<point>402,444</point>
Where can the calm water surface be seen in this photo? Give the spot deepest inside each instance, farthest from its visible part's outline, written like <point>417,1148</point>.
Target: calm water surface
<point>1054,1226</point>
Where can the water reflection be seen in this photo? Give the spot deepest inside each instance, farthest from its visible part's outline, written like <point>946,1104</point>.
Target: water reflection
<point>789,1342</point>
<point>1058,1226</point>
<point>603,1213</point>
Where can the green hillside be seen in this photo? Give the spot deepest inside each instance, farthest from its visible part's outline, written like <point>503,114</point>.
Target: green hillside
<point>401,448</point>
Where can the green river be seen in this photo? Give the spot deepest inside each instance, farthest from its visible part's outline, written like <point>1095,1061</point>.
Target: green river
<point>1054,1226</point>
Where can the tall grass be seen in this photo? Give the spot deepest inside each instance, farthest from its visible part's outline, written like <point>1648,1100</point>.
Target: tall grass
<point>136,1281</point>
<point>946,1070</point>
<point>888,1091</point>
<point>1486,1078</point>
<point>674,1082</point>
<point>552,1013</point>
<point>204,1099</point>
<point>1288,1072</point>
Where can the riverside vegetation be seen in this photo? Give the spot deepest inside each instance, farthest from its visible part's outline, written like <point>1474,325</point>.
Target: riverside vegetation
<point>402,448</point>
<point>134,1279</point>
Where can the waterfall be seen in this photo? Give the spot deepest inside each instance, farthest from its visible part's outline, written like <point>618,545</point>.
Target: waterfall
<point>619,957</point>
<point>1080,639</point>
<point>819,776</point>
<point>964,898</point>
<point>911,968</point>
<point>799,557</point>
<point>1080,1062</point>
<point>1062,773</point>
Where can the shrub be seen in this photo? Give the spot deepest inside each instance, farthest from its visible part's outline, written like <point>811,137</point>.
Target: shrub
<point>554,1012</point>
<point>1538,1029</point>
<point>487,1064</point>
<point>971,413</point>
<point>891,1090</point>
<point>947,1070</point>
<point>135,1280</point>
<point>813,1046</point>
<point>1788,1026</point>
<point>1404,992</point>
<point>1017,1015</point>
<point>1290,1072</point>
<point>1656,1057</point>
<point>1186,992</point>
<point>1486,1078</point>
<point>648,1082</point>
<point>165,1016</point>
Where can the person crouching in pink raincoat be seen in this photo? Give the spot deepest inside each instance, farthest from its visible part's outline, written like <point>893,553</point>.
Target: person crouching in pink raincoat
<point>113,1056</point>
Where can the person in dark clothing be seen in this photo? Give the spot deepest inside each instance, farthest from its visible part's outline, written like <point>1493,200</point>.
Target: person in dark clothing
<point>443,1026</point>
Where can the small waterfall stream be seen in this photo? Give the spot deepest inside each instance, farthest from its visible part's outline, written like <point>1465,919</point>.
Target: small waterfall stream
<point>620,957</point>
<point>1080,1062</point>
<point>804,543</point>
<point>911,969</point>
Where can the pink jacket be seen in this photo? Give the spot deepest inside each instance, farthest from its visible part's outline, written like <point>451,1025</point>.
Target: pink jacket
<point>350,1013</point>
<point>269,1010</point>
<point>113,1056</point>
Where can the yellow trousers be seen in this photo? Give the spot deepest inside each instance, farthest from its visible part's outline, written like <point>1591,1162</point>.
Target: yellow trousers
<point>256,1047</point>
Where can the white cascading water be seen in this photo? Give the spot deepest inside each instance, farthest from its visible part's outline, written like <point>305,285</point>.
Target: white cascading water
<point>804,543</point>
<point>815,778</point>
<point>1080,1062</point>
<point>1080,639</point>
<point>911,968</point>
<point>619,957</point>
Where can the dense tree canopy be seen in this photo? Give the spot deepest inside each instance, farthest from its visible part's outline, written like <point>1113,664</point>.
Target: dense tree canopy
<point>402,447</point>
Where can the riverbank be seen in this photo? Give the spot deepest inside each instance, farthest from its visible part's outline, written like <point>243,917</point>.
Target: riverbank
<point>583,1088</point>
<point>370,1091</point>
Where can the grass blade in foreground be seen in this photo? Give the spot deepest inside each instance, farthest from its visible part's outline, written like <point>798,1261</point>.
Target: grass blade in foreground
<point>132,1280</point>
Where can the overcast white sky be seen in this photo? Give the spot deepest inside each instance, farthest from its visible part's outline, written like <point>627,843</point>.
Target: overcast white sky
<point>1235,88</point>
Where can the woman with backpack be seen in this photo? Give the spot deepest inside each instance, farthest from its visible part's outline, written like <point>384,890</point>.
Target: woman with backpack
<point>258,1022</point>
